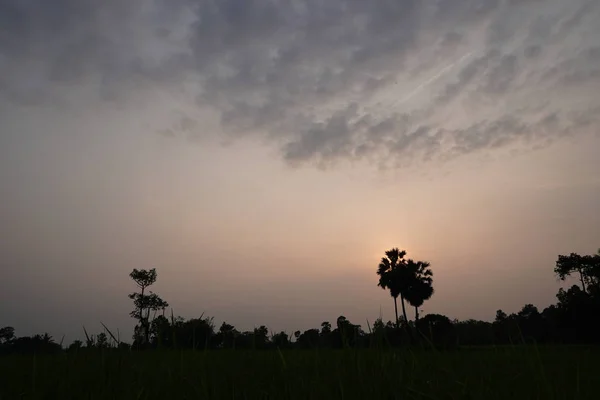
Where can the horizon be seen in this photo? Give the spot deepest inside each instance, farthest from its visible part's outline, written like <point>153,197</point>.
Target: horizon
<point>263,156</point>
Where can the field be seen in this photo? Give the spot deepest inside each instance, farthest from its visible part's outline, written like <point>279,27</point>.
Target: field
<point>475,373</point>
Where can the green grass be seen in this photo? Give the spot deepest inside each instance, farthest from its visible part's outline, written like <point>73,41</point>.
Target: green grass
<point>487,373</point>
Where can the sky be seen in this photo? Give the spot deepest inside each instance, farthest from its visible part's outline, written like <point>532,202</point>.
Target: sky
<point>262,155</point>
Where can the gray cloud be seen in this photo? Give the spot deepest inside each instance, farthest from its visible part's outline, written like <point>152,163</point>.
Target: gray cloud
<point>472,70</point>
<point>513,128</point>
<point>322,80</point>
<point>502,75</point>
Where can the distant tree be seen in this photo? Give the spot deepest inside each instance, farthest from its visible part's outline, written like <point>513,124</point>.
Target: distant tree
<point>531,323</point>
<point>260,337</point>
<point>473,332</point>
<point>421,284</point>
<point>500,316</point>
<point>578,311</point>
<point>227,336</point>
<point>281,340</point>
<point>438,329</point>
<point>102,341</point>
<point>395,277</point>
<point>326,336</point>
<point>7,334</point>
<point>308,339</point>
<point>161,331</point>
<point>587,267</point>
<point>505,328</point>
<point>37,344</point>
<point>199,333</point>
<point>90,341</point>
<point>552,318</point>
<point>346,334</point>
<point>76,345</point>
<point>145,303</point>
<point>572,320</point>
<point>378,325</point>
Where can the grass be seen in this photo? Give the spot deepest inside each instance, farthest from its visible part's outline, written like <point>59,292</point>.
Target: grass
<point>524,372</point>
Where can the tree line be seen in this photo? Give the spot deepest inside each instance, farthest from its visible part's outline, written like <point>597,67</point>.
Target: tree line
<point>572,320</point>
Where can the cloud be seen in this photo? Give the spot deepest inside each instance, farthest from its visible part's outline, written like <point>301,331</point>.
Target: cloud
<point>323,81</point>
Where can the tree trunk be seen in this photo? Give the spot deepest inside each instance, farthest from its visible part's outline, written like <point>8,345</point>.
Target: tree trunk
<point>143,320</point>
<point>416,315</point>
<point>404,310</point>
<point>582,281</point>
<point>396,310</point>
<point>408,328</point>
<point>147,330</point>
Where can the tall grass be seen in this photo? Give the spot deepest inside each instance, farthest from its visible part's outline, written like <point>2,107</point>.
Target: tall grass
<point>512,372</point>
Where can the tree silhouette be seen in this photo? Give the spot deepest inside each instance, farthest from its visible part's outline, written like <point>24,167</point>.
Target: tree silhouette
<point>308,339</point>
<point>438,329</point>
<point>572,320</point>
<point>227,335</point>
<point>394,276</point>
<point>281,340</point>
<point>587,267</point>
<point>260,337</point>
<point>420,288</point>
<point>325,328</point>
<point>145,303</point>
<point>75,346</point>
<point>102,341</point>
<point>36,344</point>
<point>566,265</point>
<point>7,334</point>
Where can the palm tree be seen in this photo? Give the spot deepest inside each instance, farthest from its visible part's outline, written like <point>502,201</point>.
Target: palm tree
<point>421,288</point>
<point>394,275</point>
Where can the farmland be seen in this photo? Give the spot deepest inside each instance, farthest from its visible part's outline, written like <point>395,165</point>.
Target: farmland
<point>515,372</point>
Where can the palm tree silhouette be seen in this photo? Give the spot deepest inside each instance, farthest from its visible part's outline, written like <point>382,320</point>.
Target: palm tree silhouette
<point>395,276</point>
<point>420,288</point>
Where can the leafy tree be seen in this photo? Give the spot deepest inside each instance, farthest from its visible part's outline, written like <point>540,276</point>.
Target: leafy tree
<point>346,334</point>
<point>260,337</point>
<point>531,324</point>
<point>281,340</point>
<point>395,276</point>
<point>473,332</point>
<point>196,333</point>
<point>102,341</point>
<point>587,267</point>
<point>325,328</point>
<point>505,328</point>
<point>90,341</point>
<point>308,339</point>
<point>227,335</point>
<point>421,284</point>
<point>378,325</point>
<point>572,319</point>
<point>36,344</point>
<point>7,334</point>
<point>161,332</point>
<point>438,329</point>
<point>144,302</point>
<point>326,334</point>
<point>500,316</point>
<point>76,345</point>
